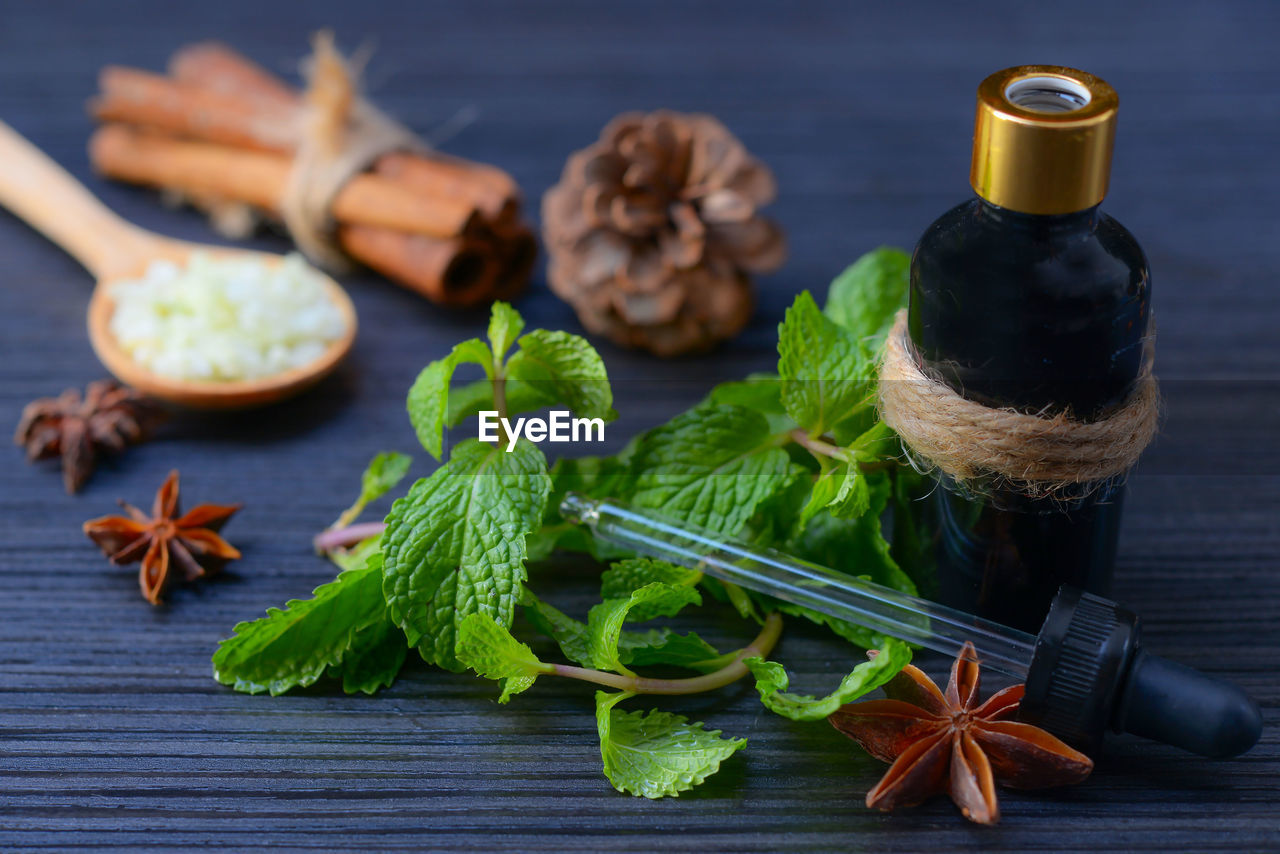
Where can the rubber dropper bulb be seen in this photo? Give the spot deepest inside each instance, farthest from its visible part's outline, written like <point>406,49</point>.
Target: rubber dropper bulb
<point>1169,702</point>
<point>1090,673</point>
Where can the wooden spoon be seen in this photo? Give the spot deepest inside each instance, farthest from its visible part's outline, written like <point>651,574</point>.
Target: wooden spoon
<point>49,199</point>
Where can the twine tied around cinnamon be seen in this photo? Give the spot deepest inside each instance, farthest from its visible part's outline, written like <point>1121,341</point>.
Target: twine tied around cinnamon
<point>1037,456</point>
<point>341,135</point>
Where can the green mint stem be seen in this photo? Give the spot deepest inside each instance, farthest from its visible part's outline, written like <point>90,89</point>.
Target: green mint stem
<point>500,403</point>
<point>819,447</point>
<point>732,672</point>
<point>342,538</point>
<point>823,448</point>
<point>348,516</point>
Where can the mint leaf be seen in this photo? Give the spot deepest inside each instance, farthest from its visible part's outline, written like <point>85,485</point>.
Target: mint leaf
<point>491,651</point>
<point>640,649</point>
<point>429,396</point>
<point>625,577</point>
<point>467,400</point>
<point>374,660</point>
<point>856,546</point>
<point>666,647</point>
<point>357,557</point>
<point>381,475</point>
<point>842,490</point>
<point>550,368</point>
<point>865,298</point>
<point>505,325</point>
<point>566,369</point>
<point>598,477</point>
<point>758,392</point>
<point>568,633</point>
<point>604,621</point>
<point>761,392</point>
<point>777,519</point>
<point>740,599</point>
<point>456,543</point>
<point>848,431</point>
<point>292,647</point>
<point>772,682</point>
<point>878,442</point>
<point>658,754</point>
<point>826,371</point>
<point>853,496</point>
<point>852,632</point>
<point>710,467</point>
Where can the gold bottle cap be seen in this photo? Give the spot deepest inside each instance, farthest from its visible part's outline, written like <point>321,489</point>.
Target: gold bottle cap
<point>1042,139</point>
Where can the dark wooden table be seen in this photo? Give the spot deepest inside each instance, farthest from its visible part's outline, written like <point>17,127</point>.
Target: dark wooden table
<point>112,732</point>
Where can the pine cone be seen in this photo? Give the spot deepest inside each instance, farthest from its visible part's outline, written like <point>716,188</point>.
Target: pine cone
<point>653,229</point>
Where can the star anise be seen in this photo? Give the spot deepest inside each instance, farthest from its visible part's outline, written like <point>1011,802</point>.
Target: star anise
<point>108,417</point>
<point>949,743</point>
<point>165,538</point>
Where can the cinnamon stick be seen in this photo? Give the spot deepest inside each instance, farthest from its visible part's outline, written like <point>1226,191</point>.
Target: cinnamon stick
<point>450,272</point>
<point>259,178</point>
<point>201,113</point>
<point>491,190</point>
<point>218,68</point>
<point>518,253</point>
<point>221,69</point>
<point>265,123</point>
<point>221,132</point>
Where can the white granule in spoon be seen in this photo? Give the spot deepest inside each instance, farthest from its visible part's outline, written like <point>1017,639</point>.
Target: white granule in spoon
<point>225,319</point>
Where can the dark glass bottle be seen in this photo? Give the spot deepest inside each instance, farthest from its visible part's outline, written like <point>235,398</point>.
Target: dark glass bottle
<point>1037,301</point>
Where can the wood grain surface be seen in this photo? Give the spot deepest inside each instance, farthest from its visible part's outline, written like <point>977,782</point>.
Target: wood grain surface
<point>113,734</point>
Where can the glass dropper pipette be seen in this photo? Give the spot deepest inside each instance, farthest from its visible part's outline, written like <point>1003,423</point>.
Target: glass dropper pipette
<point>845,597</point>
<point>1085,672</point>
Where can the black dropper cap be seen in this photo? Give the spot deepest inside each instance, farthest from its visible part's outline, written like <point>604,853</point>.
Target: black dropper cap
<point>1090,673</point>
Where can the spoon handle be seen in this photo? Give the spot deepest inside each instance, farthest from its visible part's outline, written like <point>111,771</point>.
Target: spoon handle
<point>52,201</point>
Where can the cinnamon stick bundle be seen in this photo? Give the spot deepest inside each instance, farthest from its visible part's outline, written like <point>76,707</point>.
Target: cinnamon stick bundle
<point>220,130</point>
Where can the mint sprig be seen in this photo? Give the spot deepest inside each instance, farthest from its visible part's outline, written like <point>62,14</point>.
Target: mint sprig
<point>796,460</point>
<point>548,369</point>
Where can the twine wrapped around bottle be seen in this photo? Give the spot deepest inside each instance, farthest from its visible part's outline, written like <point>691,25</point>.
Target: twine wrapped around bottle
<point>1033,455</point>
